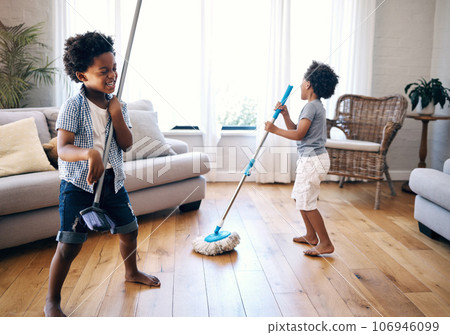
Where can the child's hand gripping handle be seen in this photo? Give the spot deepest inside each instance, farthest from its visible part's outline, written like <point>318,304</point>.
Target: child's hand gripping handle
<point>275,115</point>
<point>283,101</point>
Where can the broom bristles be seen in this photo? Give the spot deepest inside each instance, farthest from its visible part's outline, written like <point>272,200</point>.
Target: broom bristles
<point>217,247</point>
<point>97,219</point>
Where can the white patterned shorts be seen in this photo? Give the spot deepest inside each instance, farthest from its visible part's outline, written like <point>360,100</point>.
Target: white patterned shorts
<point>309,173</point>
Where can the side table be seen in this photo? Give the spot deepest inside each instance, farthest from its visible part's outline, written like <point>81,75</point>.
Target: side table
<point>423,140</point>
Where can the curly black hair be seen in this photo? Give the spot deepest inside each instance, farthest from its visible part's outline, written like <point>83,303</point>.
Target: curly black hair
<point>80,50</point>
<point>323,79</point>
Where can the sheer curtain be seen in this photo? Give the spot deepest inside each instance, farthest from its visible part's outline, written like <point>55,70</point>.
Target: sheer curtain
<point>351,47</point>
<point>209,126</point>
<point>272,165</point>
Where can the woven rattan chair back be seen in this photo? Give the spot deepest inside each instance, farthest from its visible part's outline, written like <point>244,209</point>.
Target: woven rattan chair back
<point>363,118</point>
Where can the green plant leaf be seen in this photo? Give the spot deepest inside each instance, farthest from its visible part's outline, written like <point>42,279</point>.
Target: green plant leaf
<point>414,96</point>
<point>425,100</point>
<point>20,63</point>
<point>408,86</point>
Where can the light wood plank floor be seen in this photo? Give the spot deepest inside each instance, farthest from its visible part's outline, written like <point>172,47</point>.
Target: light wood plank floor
<point>383,265</point>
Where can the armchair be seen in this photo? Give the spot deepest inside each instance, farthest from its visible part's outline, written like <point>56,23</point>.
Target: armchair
<point>369,124</point>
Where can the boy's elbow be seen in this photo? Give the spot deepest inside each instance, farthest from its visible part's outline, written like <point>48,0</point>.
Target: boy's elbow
<point>128,143</point>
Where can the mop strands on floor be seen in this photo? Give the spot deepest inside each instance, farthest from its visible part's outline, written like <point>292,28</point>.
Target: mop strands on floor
<point>216,243</point>
<point>223,241</point>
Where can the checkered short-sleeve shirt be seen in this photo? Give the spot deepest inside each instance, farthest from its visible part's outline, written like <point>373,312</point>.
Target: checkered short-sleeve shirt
<point>75,116</point>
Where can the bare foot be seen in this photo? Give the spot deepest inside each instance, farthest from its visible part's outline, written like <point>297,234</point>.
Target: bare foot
<point>307,240</point>
<point>53,309</point>
<point>319,250</point>
<point>143,278</point>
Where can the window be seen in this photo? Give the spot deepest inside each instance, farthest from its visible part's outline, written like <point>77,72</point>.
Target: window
<point>165,64</point>
<point>241,39</point>
<point>166,61</point>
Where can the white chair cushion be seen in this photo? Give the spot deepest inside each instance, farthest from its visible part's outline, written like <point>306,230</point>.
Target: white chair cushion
<point>353,145</point>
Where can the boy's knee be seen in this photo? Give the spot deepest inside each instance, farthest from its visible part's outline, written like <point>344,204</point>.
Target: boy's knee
<point>69,251</point>
<point>129,236</point>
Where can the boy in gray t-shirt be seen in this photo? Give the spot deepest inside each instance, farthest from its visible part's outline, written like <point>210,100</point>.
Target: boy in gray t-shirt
<point>313,162</point>
<point>313,143</point>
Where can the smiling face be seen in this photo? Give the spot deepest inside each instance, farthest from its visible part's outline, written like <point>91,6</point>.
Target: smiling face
<point>101,76</point>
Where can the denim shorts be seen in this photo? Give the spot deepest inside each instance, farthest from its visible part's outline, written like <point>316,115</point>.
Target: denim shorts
<point>73,199</point>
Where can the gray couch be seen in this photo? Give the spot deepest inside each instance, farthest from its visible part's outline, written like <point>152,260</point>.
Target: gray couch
<point>29,201</point>
<point>432,203</point>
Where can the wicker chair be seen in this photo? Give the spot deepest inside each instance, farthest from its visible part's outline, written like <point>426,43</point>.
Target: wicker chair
<point>369,124</point>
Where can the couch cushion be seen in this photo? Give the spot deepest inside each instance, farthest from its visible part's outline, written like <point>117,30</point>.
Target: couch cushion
<point>162,170</point>
<point>20,149</point>
<point>39,119</point>
<point>51,114</point>
<point>353,145</point>
<point>148,141</point>
<point>432,185</point>
<point>29,191</point>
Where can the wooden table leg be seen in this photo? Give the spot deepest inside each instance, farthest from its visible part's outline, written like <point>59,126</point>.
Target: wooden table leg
<point>422,153</point>
<point>423,144</point>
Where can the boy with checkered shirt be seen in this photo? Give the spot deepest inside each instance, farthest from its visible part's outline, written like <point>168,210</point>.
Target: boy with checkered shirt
<point>83,126</point>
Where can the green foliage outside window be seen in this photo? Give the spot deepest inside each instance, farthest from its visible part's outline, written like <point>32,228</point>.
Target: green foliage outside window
<point>240,113</point>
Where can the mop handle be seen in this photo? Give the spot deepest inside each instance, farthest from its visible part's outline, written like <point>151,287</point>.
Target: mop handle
<point>275,115</point>
<point>252,161</point>
<point>98,192</point>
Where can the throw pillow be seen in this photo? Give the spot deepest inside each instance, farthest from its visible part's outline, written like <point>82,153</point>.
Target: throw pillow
<point>143,104</point>
<point>51,114</point>
<point>148,141</point>
<point>39,119</point>
<point>21,150</point>
<point>51,150</point>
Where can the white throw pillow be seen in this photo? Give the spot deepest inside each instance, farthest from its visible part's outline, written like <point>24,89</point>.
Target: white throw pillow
<point>148,141</point>
<point>21,150</point>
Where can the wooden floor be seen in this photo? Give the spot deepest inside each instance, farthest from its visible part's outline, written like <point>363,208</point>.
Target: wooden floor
<point>383,266</point>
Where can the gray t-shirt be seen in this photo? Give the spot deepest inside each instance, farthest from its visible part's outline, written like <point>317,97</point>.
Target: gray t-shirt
<point>314,141</point>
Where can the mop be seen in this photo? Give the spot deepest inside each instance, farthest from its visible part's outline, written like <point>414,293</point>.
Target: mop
<point>223,241</point>
<point>96,218</point>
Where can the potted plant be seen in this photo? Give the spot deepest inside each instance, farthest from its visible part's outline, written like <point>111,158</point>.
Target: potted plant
<point>426,95</point>
<point>21,67</point>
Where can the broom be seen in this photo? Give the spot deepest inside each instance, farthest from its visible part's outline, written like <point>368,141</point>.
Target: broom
<point>223,241</point>
<point>96,218</point>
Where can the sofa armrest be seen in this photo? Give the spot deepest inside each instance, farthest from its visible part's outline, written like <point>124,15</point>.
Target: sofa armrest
<point>432,185</point>
<point>180,147</point>
<point>447,166</point>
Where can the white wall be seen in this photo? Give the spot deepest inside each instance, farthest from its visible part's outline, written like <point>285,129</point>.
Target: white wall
<point>439,139</point>
<point>402,54</point>
<point>30,12</point>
